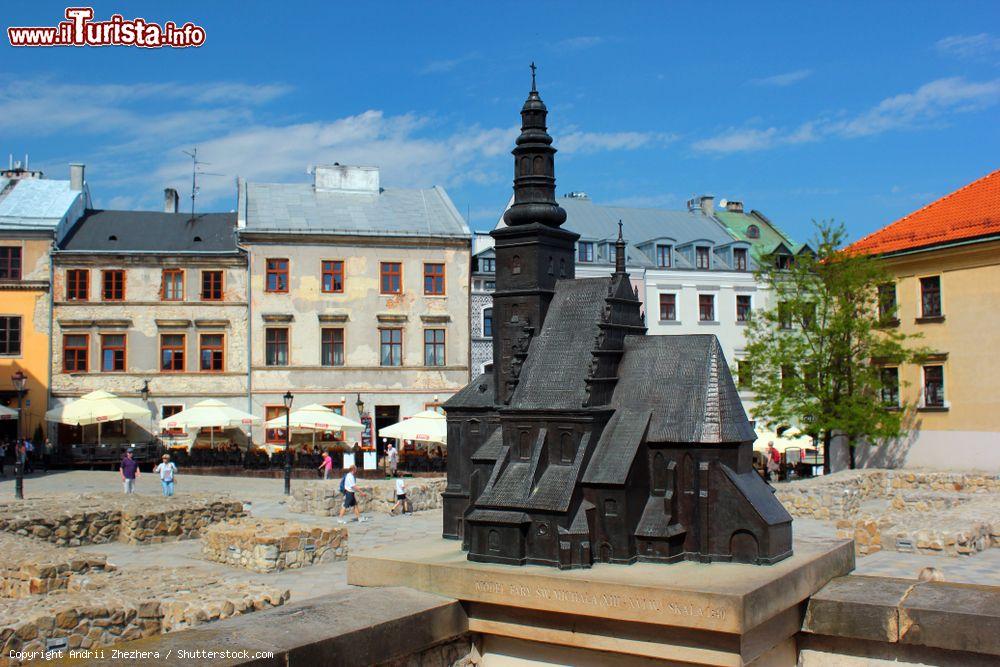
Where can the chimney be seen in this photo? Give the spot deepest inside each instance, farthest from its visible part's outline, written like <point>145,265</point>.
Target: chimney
<point>76,176</point>
<point>170,199</point>
<point>707,203</point>
<point>346,178</point>
<point>734,206</point>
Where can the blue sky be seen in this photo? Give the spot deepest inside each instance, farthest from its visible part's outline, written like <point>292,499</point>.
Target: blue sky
<point>861,112</point>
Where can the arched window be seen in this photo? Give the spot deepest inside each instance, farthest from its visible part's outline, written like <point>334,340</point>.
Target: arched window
<point>524,445</point>
<point>525,166</point>
<point>753,232</point>
<point>493,541</point>
<point>515,264</point>
<point>537,166</point>
<point>566,448</point>
<point>659,474</point>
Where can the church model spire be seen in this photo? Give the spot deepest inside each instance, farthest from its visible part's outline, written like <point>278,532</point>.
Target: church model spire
<point>534,168</point>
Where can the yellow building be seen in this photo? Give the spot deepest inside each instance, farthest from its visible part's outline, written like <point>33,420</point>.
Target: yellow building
<point>33,212</point>
<point>945,264</point>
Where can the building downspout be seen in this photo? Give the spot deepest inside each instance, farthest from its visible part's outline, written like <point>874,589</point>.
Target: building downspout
<point>52,306</point>
<point>249,333</point>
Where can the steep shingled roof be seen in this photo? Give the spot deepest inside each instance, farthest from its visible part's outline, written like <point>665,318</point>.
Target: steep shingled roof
<point>970,212</point>
<point>686,382</point>
<point>555,373</point>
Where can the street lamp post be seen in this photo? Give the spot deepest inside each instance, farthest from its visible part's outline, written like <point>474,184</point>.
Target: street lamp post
<point>19,380</point>
<point>288,442</point>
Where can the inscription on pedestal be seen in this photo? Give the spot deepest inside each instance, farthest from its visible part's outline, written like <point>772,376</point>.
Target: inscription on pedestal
<point>519,594</point>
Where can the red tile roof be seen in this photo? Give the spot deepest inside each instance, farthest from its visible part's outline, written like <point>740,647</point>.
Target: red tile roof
<point>969,212</point>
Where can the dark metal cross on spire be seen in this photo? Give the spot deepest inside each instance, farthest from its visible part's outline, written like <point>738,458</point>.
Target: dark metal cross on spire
<point>533,68</point>
<point>620,229</point>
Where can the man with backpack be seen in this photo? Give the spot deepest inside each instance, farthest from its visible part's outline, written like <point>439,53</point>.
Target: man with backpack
<point>349,487</point>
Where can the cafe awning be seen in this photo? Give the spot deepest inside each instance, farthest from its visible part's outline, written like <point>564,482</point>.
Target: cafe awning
<point>210,413</point>
<point>7,413</point>
<point>315,417</point>
<point>428,426</point>
<point>95,408</point>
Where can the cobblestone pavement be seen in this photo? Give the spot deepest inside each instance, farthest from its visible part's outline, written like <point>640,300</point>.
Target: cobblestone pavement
<point>266,499</point>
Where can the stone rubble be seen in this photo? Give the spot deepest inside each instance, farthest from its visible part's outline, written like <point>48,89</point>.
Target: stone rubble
<point>270,545</point>
<point>323,498</point>
<point>104,608</point>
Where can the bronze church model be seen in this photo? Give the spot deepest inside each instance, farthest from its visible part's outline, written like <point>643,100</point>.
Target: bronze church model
<point>589,440</point>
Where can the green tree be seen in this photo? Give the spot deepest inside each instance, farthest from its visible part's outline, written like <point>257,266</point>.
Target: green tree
<point>817,353</point>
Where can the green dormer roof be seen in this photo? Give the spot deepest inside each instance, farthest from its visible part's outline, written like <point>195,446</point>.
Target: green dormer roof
<point>767,240</point>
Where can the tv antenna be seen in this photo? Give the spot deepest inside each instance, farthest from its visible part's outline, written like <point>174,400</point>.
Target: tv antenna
<point>195,172</point>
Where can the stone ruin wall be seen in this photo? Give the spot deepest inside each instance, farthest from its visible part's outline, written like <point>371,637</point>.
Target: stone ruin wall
<point>951,513</point>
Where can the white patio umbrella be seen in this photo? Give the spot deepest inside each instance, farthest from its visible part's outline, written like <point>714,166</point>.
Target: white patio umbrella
<point>315,417</point>
<point>96,407</point>
<point>428,426</point>
<point>210,414</point>
<point>789,438</point>
<point>7,413</point>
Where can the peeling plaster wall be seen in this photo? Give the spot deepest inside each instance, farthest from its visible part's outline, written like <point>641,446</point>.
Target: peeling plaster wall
<point>411,386</point>
<point>143,317</point>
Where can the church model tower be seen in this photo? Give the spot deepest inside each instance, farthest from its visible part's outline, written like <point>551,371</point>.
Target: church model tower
<point>589,440</point>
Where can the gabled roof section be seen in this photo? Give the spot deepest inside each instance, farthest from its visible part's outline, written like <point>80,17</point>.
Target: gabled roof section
<point>476,394</point>
<point>618,446</point>
<point>152,232</point>
<point>768,238</point>
<point>968,213</point>
<point>685,380</point>
<point>491,449</point>
<point>555,373</point>
<point>300,208</point>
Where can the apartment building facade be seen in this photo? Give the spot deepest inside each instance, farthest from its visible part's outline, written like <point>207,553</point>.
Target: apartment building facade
<point>34,213</point>
<point>150,306</point>
<point>358,293</point>
<point>944,261</point>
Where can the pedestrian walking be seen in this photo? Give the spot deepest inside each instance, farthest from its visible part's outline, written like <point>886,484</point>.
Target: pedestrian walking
<point>327,465</point>
<point>773,463</point>
<point>29,455</point>
<point>47,449</point>
<point>349,486</point>
<point>392,454</point>
<point>167,470</point>
<point>3,457</point>
<point>401,500</point>
<point>129,468</point>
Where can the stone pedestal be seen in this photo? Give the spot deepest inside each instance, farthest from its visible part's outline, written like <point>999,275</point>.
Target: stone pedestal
<point>714,614</point>
<point>271,545</point>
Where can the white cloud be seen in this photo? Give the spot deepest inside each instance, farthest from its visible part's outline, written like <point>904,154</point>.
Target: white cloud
<point>782,80</point>
<point>577,43</point>
<point>929,104</point>
<point>141,129</point>
<point>971,47</point>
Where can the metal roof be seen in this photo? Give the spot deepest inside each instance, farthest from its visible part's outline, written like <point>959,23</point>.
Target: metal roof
<point>35,202</point>
<point>300,208</point>
<point>152,232</point>
<point>770,236</point>
<point>641,226</point>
